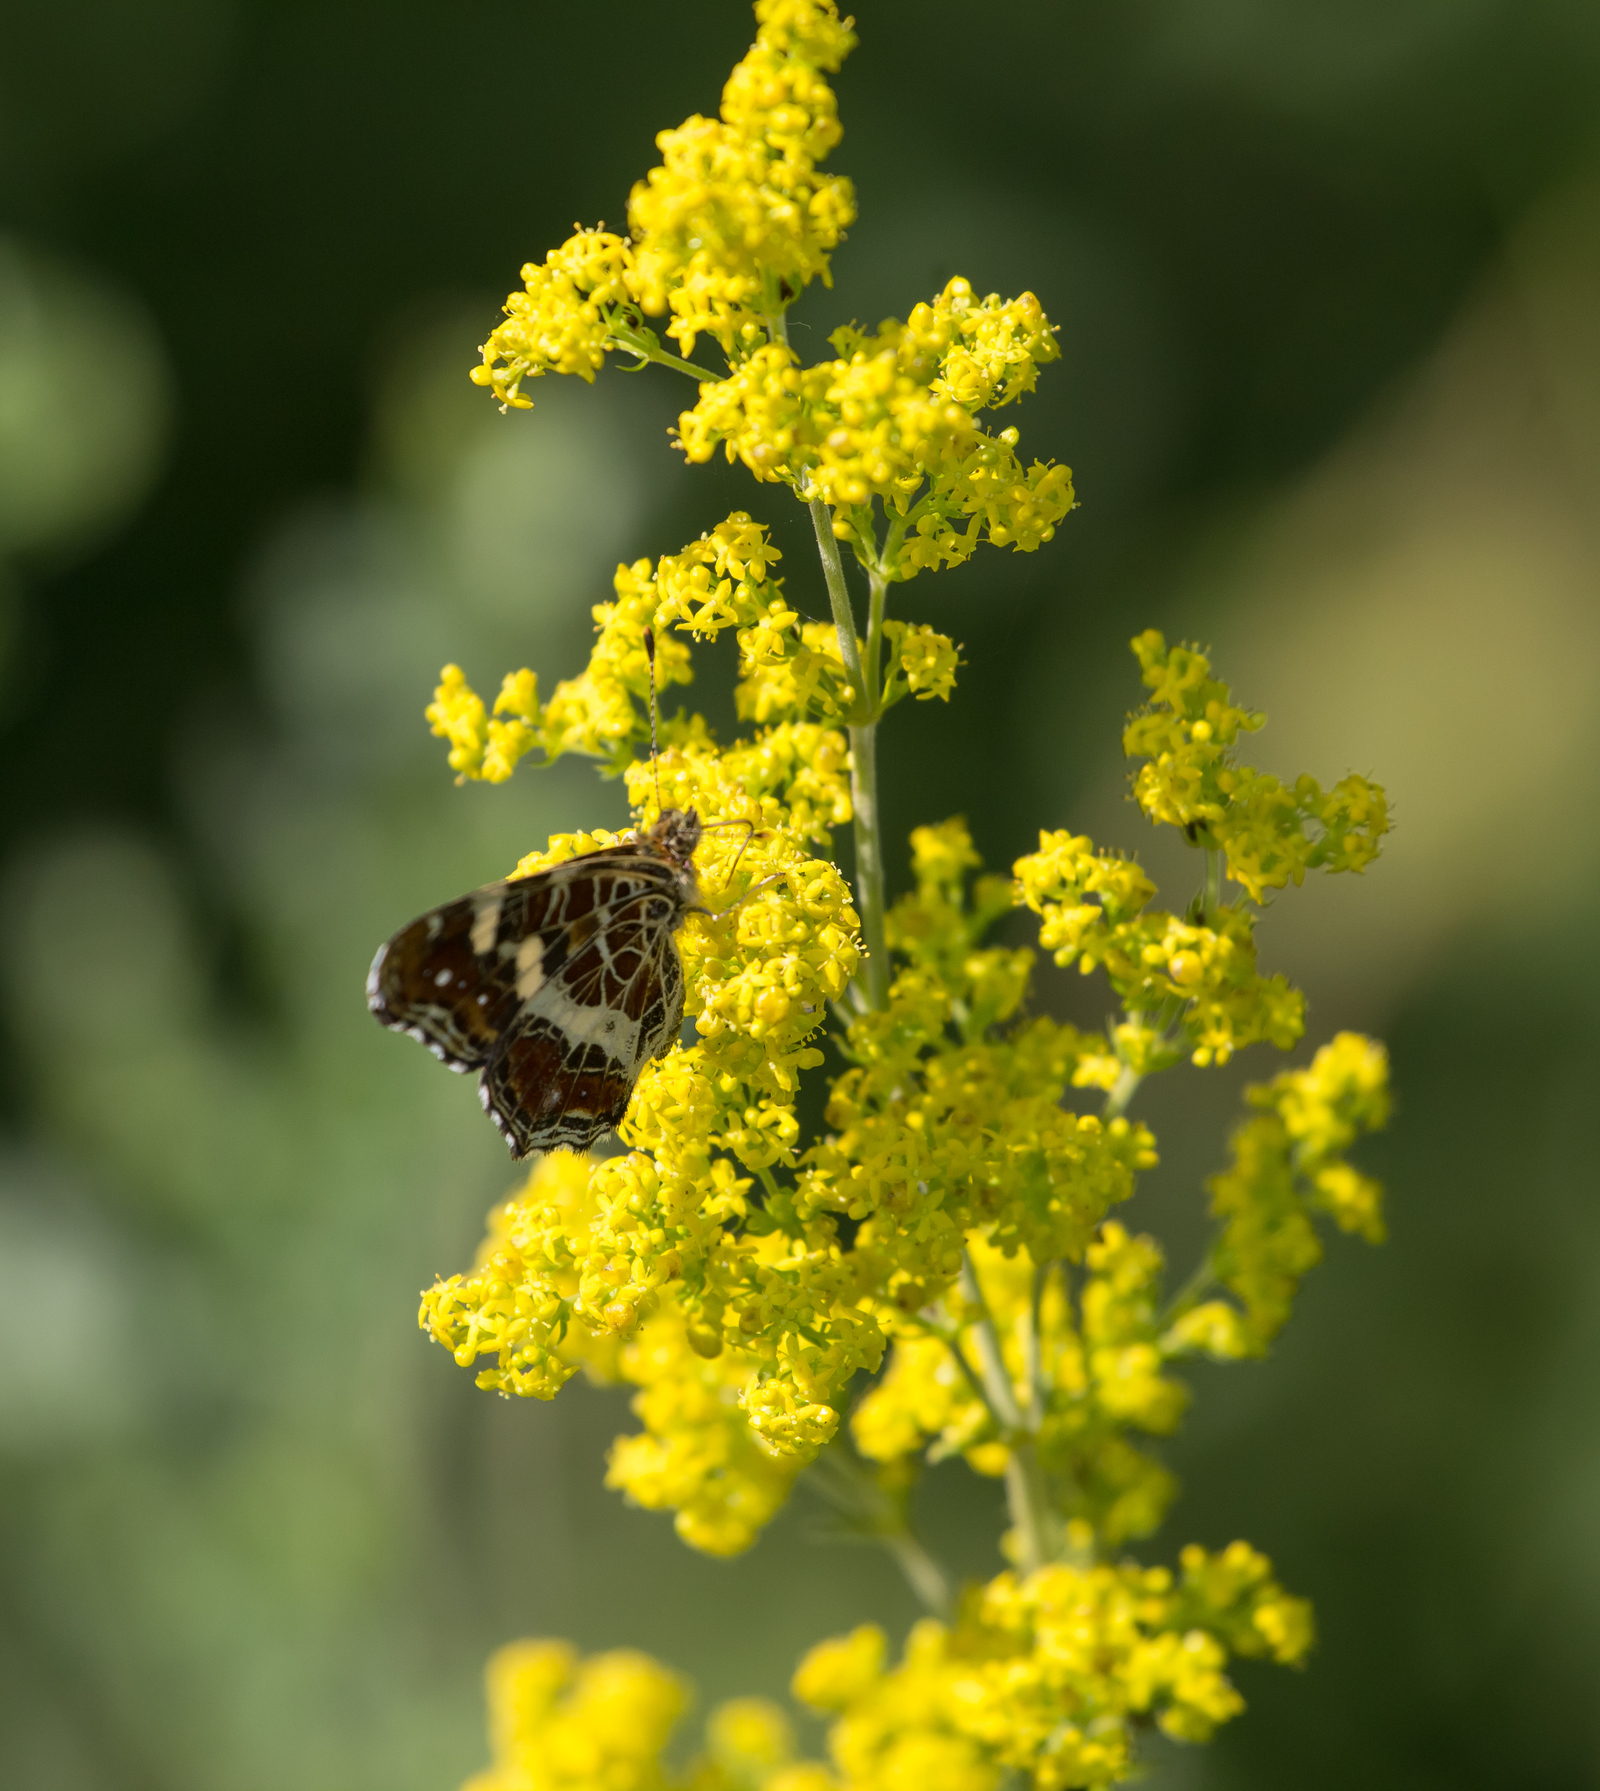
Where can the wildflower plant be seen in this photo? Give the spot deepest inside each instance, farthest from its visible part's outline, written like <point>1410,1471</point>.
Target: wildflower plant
<point>938,1272</point>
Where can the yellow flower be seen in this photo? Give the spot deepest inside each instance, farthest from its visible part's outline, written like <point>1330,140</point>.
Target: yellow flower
<point>892,418</point>
<point>726,232</point>
<point>563,319</point>
<point>1287,1164</point>
<point>737,220</point>
<point>560,1724</point>
<point>1191,780</point>
<point>748,1740</point>
<point>457,714</point>
<point>1049,1674</point>
<point>696,1455</point>
<point>1093,912</point>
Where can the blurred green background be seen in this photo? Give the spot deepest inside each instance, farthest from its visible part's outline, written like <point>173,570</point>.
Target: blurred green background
<point>1328,276</point>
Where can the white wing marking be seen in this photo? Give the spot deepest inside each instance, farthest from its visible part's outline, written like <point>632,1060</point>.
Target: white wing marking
<point>486,921</point>
<point>530,972</point>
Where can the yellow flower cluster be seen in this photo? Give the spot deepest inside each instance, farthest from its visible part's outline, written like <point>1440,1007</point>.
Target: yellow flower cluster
<point>893,418</point>
<point>697,1455</point>
<point>1289,1164</point>
<point>942,1128</point>
<point>1270,833</point>
<point>1087,1377</point>
<point>748,1276</point>
<point>565,317</point>
<point>1050,1674</point>
<point>602,713</point>
<point>1197,977</point>
<point>724,234</point>
<point>791,675</point>
<point>558,1723</point>
<point>737,221</point>
<point>954,1211</point>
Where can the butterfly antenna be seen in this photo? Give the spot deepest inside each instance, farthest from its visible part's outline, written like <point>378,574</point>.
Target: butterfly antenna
<point>655,755</point>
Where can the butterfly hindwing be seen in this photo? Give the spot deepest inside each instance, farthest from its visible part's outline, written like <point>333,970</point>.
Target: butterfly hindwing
<point>544,1095</point>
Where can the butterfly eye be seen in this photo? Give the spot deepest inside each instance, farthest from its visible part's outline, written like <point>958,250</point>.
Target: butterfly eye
<point>658,911</point>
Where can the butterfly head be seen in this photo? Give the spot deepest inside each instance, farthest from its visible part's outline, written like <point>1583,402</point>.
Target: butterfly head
<point>675,835</point>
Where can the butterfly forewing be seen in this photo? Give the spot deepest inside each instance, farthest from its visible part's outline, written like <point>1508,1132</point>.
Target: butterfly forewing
<point>559,987</point>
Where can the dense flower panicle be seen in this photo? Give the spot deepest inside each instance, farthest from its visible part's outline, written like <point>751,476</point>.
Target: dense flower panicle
<point>724,235</point>
<point>792,678</point>
<point>1048,1674</point>
<point>893,419</point>
<point>670,1227</point>
<point>955,1212</point>
<point>563,320</point>
<point>737,220</point>
<point>560,1724</point>
<point>1270,833</point>
<point>710,1265</point>
<point>728,1296</point>
<point>1094,1365</point>
<point>515,1304</point>
<point>922,662</point>
<point>697,1455</point>
<point>940,1127</point>
<point>1288,1165</point>
<point>1200,977</point>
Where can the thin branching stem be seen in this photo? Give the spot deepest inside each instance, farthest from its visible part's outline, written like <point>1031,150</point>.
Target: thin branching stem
<point>1121,1092</point>
<point>872,1515</point>
<point>1027,1497</point>
<point>1032,1352</point>
<point>648,350</point>
<point>863,724</point>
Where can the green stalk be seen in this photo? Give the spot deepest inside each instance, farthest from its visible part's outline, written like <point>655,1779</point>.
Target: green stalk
<point>1213,884</point>
<point>1027,1498</point>
<point>872,664</point>
<point>863,725</point>
<point>1121,1092</point>
<point>863,755</point>
<point>926,1578</point>
<point>653,351</point>
<point>1032,1351</point>
<point>875,1516</point>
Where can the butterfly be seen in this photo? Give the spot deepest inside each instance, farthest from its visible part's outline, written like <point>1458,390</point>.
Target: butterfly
<point>557,988</point>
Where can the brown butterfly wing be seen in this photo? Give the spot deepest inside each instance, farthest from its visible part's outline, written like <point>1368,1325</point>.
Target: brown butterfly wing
<point>432,983</point>
<point>566,1072</point>
<point>558,987</point>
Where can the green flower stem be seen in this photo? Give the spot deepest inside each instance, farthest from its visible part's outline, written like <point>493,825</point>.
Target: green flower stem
<point>653,351</point>
<point>876,1516</point>
<point>924,1575</point>
<point>863,761</point>
<point>844,619</point>
<point>1002,1396</point>
<point>1026,1495</point>
<point>863,725</point>
<point>1187,1296</point>
<point>1121,1092</point>
<point>1029,1505</point>
<point>1031,1355</point>
<point>873,665</point>
<point>1213,883</point>
<point>869,861</point>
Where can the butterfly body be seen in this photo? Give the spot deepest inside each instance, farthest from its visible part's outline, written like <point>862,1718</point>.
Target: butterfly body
<point>557,988</point>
